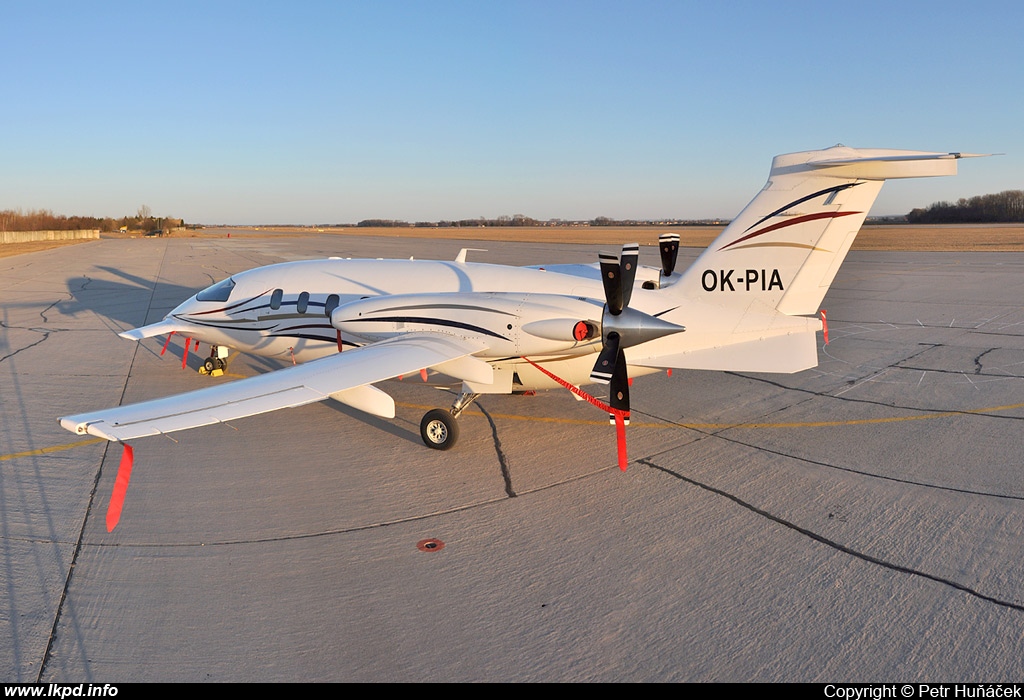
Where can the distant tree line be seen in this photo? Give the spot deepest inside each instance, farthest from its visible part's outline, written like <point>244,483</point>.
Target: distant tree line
<point>1006,206</point>
<point>523,220</point>
<point>517,220</point>
<point>43,220</point>
<point>382,223</point>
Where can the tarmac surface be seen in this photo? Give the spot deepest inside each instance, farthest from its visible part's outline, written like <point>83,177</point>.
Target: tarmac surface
<point>861,521</point>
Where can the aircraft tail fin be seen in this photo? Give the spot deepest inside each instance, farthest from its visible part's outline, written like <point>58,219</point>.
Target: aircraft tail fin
<point>783,250</point>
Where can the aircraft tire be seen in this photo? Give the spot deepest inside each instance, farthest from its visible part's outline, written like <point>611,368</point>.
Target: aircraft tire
<point>439,429</point>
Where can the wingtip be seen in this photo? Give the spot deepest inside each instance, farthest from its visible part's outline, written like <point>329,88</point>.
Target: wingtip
<point>75,424</point>
<point>160,328</point>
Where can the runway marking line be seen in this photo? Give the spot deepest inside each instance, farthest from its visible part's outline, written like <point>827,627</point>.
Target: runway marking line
<point>48,450</point>
<point>634,424</point>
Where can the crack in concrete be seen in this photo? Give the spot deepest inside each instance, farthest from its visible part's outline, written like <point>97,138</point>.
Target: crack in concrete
<point>899,365</point>
<point>42,314</point>
<point>45,334</point>
<point>977,360</point>
<point>506,473</point>
<point>863,556</point>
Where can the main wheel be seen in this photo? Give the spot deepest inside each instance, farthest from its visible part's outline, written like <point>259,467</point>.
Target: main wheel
<point>439,429</point>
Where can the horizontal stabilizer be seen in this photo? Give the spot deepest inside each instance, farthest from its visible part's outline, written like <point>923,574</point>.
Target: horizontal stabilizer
<point>792,352</point>
<point>875,164</point>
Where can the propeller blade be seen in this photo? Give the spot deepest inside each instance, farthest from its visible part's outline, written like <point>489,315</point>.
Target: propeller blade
<point>618,399</point>
<point>604,368</point>
<point>612,279</point>
<point>618,396</point>
<point>617,274</point>
<point>668,243</point>
<point>627,269</point>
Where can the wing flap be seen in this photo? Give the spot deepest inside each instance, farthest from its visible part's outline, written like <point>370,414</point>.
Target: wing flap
<point>338,375</point>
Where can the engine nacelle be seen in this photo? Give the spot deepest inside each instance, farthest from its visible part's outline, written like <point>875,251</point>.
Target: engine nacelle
<point>511,325</point>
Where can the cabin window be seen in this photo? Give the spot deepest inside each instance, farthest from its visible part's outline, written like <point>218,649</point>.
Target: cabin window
<point>218,292</point>
<point>331,304</point>
<point>275,299</point>
<point>303,303</point>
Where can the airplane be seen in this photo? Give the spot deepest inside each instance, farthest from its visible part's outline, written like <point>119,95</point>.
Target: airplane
<point>749,303</point>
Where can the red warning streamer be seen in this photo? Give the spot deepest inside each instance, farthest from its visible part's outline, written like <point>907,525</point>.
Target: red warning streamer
<point>620,439</point>
<point>124,475</point>
<point>620,415</point>
<point>167,342</point>
<point>184,355</point>
<point>824,325</point>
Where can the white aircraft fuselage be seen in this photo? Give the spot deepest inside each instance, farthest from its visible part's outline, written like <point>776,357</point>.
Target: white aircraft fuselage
<point>366,301</point>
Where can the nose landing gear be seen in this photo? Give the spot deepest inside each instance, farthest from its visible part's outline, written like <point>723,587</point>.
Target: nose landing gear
<point>216,362</point>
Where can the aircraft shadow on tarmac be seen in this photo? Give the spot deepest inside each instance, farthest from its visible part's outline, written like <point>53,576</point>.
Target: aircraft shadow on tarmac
<point>131,303</point>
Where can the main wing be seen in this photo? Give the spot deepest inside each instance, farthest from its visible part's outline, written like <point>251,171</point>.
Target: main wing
<point>345,377</point>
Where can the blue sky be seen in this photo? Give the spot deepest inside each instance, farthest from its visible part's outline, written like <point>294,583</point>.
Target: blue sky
<point>330,112</point>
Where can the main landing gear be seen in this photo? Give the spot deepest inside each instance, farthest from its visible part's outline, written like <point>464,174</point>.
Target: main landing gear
<point>440,428</point>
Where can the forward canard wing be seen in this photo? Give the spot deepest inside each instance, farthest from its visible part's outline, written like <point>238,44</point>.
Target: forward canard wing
<point>345,377</point>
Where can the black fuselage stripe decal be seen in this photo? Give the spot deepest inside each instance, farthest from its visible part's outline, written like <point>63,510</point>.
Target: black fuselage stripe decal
<point>459,307</point>
<point>325,326</point>
<point>428,321</point>
<point>225,326</point>
<point>305,336</point>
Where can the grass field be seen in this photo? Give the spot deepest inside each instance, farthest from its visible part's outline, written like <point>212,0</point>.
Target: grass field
<point>984,237</point>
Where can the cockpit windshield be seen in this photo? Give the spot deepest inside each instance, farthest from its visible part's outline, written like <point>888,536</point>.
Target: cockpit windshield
<point>218,292</point>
